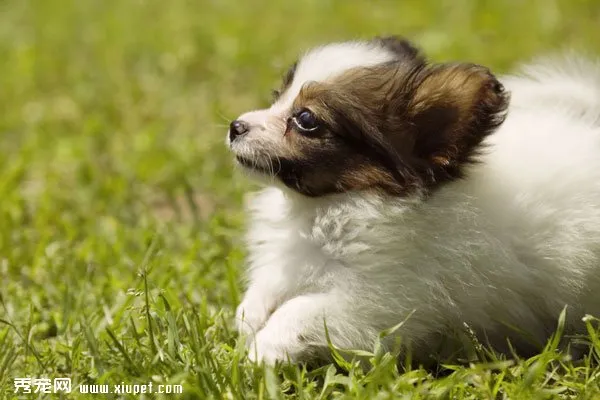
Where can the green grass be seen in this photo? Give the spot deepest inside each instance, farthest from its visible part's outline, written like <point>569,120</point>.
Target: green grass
<point>120,213</point>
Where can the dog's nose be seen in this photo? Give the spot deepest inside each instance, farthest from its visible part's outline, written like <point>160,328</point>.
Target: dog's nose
<point>237,128</point>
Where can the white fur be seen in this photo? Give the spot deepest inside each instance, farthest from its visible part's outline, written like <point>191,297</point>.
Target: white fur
<point>511,245</point>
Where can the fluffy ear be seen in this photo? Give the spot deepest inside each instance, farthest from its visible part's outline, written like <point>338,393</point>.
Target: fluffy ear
<point>453,107</point>
<point>401,47</point>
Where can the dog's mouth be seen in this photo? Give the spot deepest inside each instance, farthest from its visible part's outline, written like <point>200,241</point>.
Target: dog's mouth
<point>253,165</point>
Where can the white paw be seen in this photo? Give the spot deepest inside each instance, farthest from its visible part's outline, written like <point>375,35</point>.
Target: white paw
<point>272,346</point>
<point>250,317</point>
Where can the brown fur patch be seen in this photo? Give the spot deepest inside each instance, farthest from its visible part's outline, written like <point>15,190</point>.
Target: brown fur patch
<point>454,108</point>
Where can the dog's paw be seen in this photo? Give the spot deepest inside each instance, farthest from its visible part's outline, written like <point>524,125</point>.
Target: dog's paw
<point>250,316</point>
<point>271,347</point>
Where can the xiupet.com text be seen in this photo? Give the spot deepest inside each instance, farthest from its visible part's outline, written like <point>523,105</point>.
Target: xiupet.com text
<point>63,385</point>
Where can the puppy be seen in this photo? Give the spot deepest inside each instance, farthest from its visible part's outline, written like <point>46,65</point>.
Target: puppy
<point>434,194</point>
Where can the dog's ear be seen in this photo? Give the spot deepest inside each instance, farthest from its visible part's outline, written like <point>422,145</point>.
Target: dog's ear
<point>452,108</point>
<point>401,47</point>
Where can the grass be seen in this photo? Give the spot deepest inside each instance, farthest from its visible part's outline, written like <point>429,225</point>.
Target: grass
<point>120,213</point>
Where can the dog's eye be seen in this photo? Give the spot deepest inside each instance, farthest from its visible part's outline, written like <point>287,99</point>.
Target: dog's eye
<point>306,121</point>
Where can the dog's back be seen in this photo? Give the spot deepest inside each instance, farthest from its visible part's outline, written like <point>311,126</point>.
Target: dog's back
<point>539,184</point>
<point>568,84</point>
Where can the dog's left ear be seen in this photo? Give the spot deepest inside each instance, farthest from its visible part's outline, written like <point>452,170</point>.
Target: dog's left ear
<point>453,107</point>
<point>400,47</point>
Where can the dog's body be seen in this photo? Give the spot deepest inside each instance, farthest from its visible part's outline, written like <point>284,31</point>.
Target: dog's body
<point>503,247</point>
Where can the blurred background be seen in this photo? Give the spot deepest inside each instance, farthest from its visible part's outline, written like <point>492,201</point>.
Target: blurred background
<point>113,115</point>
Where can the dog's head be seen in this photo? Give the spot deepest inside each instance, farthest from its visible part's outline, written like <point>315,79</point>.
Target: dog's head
<point>370,115</point>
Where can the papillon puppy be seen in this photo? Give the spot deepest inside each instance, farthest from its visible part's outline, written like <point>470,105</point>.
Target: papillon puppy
<point>437,195</point>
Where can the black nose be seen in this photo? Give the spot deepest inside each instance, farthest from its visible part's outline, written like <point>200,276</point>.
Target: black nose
<point>237,128</point>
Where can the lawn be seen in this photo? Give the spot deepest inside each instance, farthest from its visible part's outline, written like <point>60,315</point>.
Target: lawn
<point>121,213</point>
